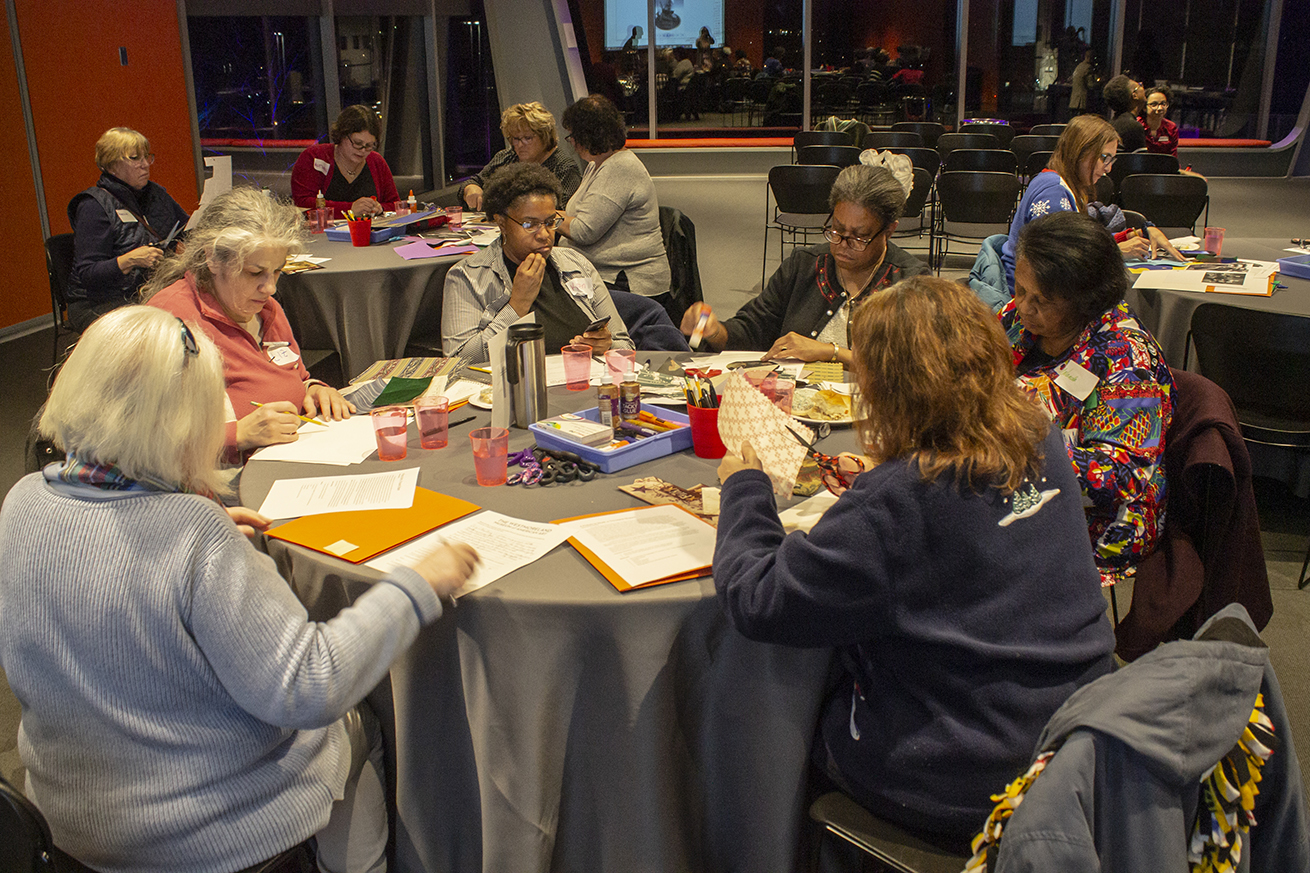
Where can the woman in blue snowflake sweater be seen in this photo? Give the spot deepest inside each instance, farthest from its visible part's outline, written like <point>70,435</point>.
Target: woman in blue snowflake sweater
<point>1085,152</point>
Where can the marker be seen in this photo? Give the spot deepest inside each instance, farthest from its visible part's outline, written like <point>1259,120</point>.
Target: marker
<point>301,417</point>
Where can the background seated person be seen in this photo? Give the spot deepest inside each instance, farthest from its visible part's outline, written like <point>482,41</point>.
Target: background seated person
<point>118,225</point>
<point>224,283</point>
<point>804,313</point>
<point>524,271</point>
<point>1121,96</point>
<point>335,168</point>
<point>955,577</point>
<point>1101,377</point>
<point>1083,154</point>
<point>180,711</point>
<point>530,138</point>
<point>1161,133</point>
<point>614,218</point>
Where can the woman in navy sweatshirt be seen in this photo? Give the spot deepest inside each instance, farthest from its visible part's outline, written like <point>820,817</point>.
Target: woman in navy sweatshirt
<point>955,577</point>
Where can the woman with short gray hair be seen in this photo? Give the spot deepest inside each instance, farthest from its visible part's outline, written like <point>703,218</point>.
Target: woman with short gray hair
<point>180,710</point>
<point>804,313</point>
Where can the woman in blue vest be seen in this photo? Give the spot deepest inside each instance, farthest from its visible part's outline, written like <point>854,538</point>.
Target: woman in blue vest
<point>119,227</point>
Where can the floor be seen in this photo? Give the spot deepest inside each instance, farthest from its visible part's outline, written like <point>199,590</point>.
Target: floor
<point>729,216</point>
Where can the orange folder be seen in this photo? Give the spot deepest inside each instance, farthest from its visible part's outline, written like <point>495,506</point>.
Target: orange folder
<point>609,573</point>
<point>363,534</point>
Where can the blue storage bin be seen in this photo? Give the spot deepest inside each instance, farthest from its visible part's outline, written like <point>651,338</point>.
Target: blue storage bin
<point>1298,266</point>
<point>611,460</point>
<point>379,234</point>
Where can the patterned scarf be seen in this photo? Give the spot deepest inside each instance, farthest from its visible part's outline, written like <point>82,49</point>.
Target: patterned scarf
<point>104,476</point>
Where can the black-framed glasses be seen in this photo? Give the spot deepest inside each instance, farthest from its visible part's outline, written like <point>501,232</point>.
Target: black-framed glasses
<point>532,225</point>
<point>1157,105</point>
<point>856,243</point>
<point>188,341</point>
<point>526,139</point>
<point>363,147</point>
<point>1108,159</point>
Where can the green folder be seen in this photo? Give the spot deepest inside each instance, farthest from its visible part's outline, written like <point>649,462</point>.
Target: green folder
<point>401,390</point>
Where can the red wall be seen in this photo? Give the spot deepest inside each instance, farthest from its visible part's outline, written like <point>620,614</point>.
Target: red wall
<point>27,293</point>
<point>78,89</point>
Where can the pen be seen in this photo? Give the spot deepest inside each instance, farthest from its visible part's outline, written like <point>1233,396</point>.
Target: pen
<point>461,421</point>
<point>301,417</point>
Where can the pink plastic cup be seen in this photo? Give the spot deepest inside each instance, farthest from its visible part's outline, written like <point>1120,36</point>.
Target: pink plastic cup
<point>432,415</point>
<point>622,365</point>
<point>490,454</point>
<point>1214,240</point>
<point>577,366</point>
<point>390,429</point>
<point>455,215</point>
<point>319,219</point>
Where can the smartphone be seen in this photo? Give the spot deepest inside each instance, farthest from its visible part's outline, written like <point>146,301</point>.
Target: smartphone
<point>597,324</point>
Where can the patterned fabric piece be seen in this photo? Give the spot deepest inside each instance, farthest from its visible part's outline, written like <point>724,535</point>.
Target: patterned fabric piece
<point>746,415</point>
<point>1116,436</point>
<point>1226,812</point>
<point>104,476</point>
<point>984,845</point>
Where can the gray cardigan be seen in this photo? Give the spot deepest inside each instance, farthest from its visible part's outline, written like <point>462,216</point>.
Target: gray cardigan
<point>616,224</point>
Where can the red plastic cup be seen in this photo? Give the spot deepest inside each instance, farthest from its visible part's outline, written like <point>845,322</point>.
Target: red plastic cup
<point>392,432</point>
<point>577,366</point>
<point>705,441</point>
<point>361,229</point>
<point>490,454</point>
<point>432,414</point>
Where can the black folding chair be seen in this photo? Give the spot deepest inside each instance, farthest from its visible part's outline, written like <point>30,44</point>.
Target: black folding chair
<point>980,160</point>
<point>916,217</point>
<point>924,158</point>
<point>800,196</point>
<point>58,267</point>
<point>1036,162</point>
<point>885,139</point>
<point>1002,132</point>
<point>806,138</point>
<point>971,206</point>
<point>1136,163</point>
<point>948,142</point>
<point>929,130</point>
<point>1168,200</point>
<point>834,155</point>
<point>1048,129</point>
<point>1025,146</point>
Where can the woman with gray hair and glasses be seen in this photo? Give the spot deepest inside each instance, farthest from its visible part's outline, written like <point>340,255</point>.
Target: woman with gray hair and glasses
<point>180,710</point>
<point>804,313</point>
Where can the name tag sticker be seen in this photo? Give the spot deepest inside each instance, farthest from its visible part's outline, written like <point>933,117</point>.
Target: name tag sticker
<point>321,166</point>
<point>282,356</point>
<point>126,216</point>
<point>579,287</point>
<point>1076,379</point>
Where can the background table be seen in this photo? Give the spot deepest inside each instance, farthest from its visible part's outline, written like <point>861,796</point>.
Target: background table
<point>1168,316</point>
<point>365,302</point>
<point>550,723</point>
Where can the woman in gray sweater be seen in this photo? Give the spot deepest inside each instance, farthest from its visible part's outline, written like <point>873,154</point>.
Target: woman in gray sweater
<point>180,710</point>
<point>614,216</point>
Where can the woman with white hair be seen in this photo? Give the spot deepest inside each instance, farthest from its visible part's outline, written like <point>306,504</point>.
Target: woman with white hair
<point>224,283</point>
<point>119,225</point>
<point>180,711</point>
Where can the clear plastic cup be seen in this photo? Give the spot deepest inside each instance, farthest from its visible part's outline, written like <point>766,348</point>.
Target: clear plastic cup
<point>577,366</point>
<point>490,454</point>
<point>432,415</point>
<point>391,430</point>
<point>622,365</point>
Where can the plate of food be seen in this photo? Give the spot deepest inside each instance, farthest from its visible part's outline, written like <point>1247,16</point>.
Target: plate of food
<point>822,406</point>
<point>481,400</point>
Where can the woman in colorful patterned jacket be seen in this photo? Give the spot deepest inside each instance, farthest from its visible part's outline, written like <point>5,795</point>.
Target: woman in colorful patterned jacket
<point>1081,352</point>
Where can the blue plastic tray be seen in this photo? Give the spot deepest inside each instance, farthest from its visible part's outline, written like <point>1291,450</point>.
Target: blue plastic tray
<point>379,234</point>
<point>1297,265</point>
<point>610,460</point>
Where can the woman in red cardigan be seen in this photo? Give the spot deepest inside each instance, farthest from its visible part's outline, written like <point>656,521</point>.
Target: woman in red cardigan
<point>335,169</point>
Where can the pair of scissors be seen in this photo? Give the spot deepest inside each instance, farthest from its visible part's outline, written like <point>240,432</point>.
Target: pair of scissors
<point>836,472</point>
<point>561,467</point>
<point>531,471</point>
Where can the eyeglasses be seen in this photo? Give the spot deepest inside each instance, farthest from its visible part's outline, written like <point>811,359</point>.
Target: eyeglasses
<point>522,140</point>
<point>363,146</point>
<point>1156,105</point>
<point>1108,160</point>
<point>188,342</point>
<point>532,225</point>
<point>856,243</point>
<point>145,160</point>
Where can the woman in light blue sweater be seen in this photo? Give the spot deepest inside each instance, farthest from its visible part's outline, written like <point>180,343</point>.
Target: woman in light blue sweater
<point>180,711</point>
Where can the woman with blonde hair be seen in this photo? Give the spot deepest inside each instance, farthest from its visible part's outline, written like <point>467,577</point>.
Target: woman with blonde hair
<point>224,283</point>
<point>119,225</point>
<point>955,577</point>
<point>1084,153</point>
<point>530,138</point>
<point>180,711</point>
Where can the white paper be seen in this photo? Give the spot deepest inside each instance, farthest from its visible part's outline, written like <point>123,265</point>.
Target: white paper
<point>648,543</point>
<point>806,514</point>
<point>1187,242</point>
<point>292,498</point>
<point>504,543</point>
<point>304,258</point>
<point>723,359</point>
<point>1253,276</point>
<point>219,182</point>
<point>342,443</point>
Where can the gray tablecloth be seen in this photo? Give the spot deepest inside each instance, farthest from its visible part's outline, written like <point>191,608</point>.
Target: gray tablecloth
<point>365,302</point>
<point>550,723</point>
<point>1168,315</point>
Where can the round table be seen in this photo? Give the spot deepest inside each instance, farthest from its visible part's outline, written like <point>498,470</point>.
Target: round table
<point>549,722</point>
<point>365,302</point>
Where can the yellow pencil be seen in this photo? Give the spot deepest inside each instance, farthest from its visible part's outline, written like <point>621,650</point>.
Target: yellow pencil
<point>301,417</point>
